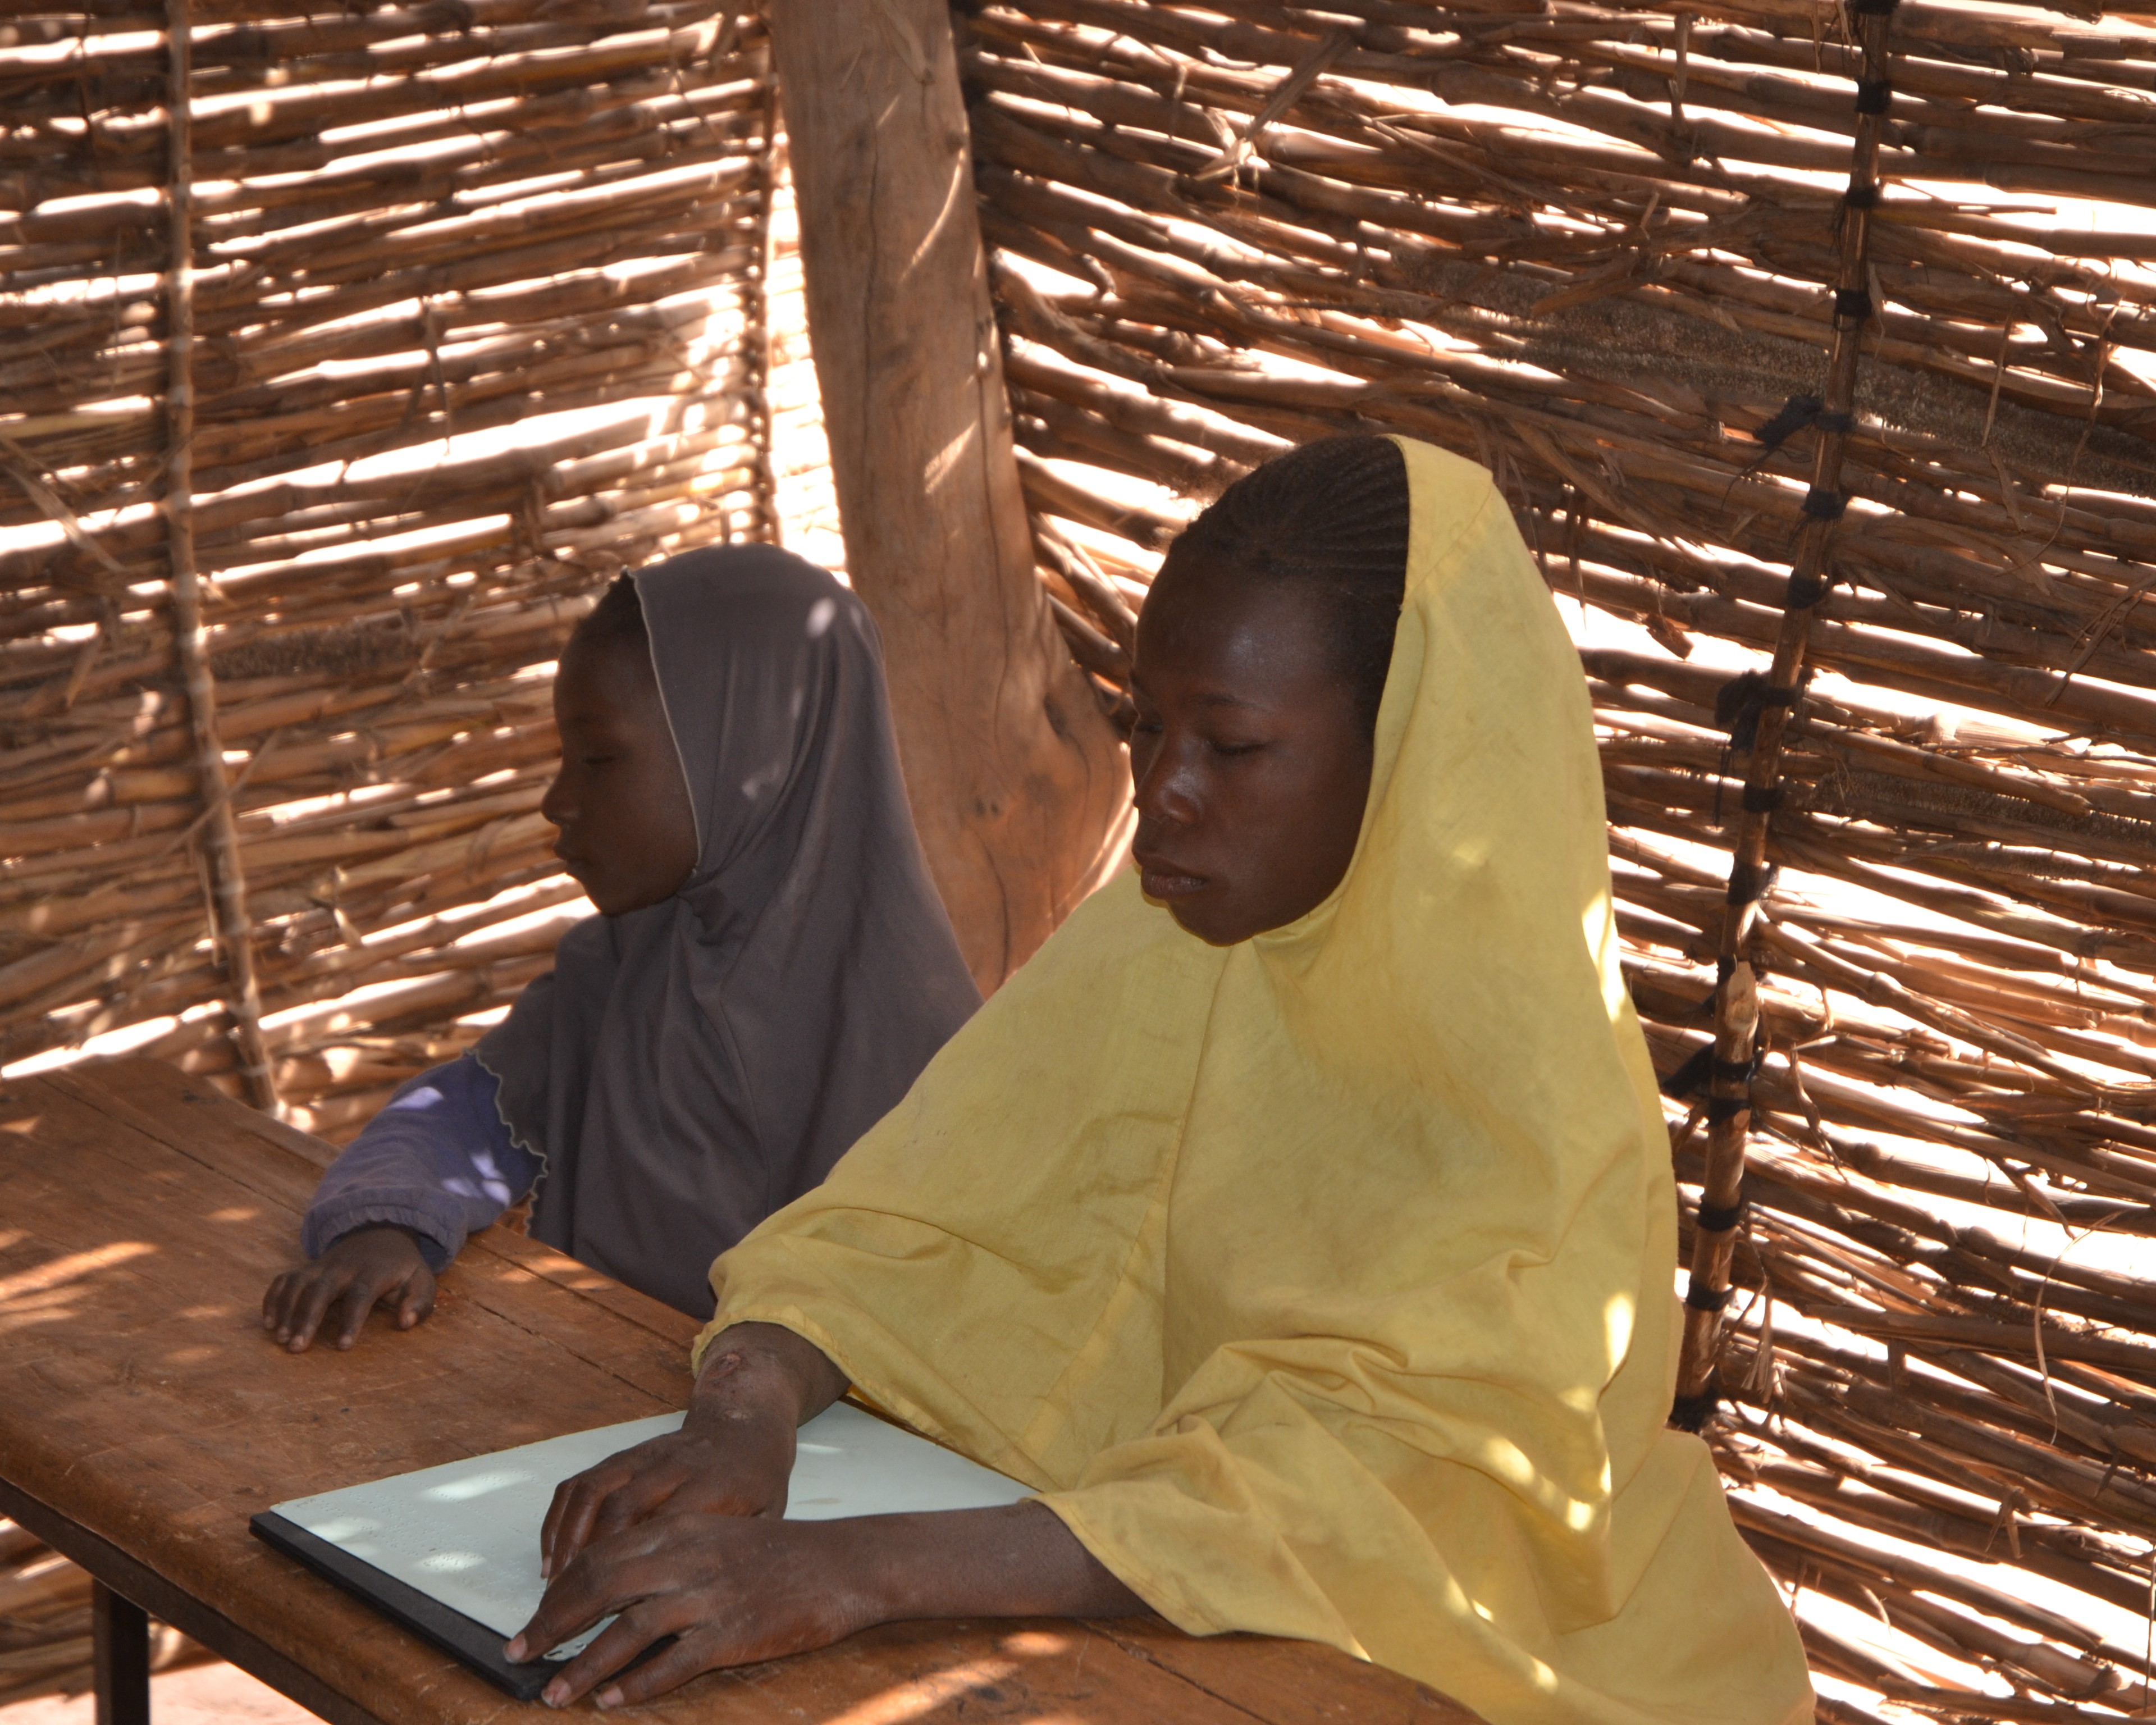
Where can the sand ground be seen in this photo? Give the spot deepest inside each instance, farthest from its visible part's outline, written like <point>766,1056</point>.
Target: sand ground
<point>201,1695</point>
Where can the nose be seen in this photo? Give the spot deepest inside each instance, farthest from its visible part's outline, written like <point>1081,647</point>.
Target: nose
<point>1166,788</point>
<point>558,805</point>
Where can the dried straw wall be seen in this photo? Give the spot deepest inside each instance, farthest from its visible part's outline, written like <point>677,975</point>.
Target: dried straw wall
<point>473,320</point>
<point>1597,248</point>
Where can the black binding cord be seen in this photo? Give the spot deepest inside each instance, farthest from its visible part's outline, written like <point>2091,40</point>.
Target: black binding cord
<point>1722,1217</point>
<point>1806,591</point>
<point>1739,702</point>
<point>1691,1413</point>
<point>1692,1074</point>
<point>1700,1068</point>
<point>1794,415</point>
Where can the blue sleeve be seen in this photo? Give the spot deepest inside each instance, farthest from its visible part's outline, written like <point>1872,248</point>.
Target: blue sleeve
<point>437,1159</point>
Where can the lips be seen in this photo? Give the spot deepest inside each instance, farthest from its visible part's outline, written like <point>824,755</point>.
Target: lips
<point>1163,878</point>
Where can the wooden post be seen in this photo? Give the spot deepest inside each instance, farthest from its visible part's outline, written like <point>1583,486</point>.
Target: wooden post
<point>230,925</point>
<point>1015,776</point>
<point>120,1652</point>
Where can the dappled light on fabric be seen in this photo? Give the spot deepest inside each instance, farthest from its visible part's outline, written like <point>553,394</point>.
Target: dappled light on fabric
<point>1306,1283</point>
<point>692,1064</point>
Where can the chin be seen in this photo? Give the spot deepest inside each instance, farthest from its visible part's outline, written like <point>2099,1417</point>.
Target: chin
<point>1193,920</point>
<point>606,903</point>
<point>624,901</point>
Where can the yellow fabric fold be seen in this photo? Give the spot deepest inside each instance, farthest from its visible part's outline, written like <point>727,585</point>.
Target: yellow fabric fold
<point>1323,1284</point>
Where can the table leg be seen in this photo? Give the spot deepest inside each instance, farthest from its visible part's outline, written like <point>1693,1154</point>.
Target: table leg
<point>121,1632</point>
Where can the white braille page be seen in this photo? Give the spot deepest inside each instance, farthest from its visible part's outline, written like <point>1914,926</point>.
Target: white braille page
<point>467,1532</point>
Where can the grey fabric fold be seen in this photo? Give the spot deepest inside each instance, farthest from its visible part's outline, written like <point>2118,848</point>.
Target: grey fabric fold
<point>690,1068</point>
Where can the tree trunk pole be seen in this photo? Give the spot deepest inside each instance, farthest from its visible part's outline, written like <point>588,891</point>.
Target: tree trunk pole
<point>1015,777</point>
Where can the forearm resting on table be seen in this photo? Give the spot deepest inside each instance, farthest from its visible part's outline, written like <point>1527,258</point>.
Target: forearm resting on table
<point>733,1590</point>
<point>1020,1561</point>
<point>1016,1562</point>
<point>682,1536</point>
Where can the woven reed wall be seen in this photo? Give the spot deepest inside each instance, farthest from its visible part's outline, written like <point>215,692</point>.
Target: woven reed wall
<point>1591,246</point>
<point>478,321</point>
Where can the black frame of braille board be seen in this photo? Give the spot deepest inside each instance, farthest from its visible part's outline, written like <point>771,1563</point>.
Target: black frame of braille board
<point>466,1640</point>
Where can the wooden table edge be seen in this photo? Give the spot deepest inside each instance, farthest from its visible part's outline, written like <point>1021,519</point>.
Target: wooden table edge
<point>134,1587</point>
<point>135,1582</point>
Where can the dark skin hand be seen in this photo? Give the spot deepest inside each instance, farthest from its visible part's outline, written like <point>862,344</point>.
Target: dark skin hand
<point>682,1536</point>
<point>628,836</point>
<point>1249,763</point>
<point>369,1266</point>
<point>732,1455</point>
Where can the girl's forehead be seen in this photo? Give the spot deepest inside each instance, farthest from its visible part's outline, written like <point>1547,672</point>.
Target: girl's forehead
<point>612,675</point>
<point>1233,628</point>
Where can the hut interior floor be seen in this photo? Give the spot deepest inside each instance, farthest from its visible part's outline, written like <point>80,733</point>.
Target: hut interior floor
<point>215,1694</point>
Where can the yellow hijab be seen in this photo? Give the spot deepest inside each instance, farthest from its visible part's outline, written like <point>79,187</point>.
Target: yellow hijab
<point>1322,1284</point>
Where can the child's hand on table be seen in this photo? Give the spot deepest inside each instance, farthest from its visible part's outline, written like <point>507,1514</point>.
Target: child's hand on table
<point>377,1265</point>
<point>684,1536</point>
<point>730,1588</point>
<point>734,1589</point>
<point>739,1467</point>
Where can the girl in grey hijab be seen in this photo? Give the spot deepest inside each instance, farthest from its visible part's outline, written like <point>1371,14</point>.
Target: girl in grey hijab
<point>770,970</point>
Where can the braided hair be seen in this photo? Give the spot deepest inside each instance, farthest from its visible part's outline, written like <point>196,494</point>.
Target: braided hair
<point>1332,513</point>
<point>618,617</point>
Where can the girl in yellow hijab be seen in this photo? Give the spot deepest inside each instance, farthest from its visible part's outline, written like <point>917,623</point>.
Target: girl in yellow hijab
<point>1299,1222</point>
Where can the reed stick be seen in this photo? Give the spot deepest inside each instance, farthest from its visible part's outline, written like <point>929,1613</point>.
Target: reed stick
<point>229,921</point>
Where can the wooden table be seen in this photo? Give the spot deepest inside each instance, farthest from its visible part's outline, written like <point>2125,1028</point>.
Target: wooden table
<point>144,1416</point>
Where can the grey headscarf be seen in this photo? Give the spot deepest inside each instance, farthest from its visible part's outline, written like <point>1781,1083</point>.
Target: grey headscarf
<point>689,1068</point>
